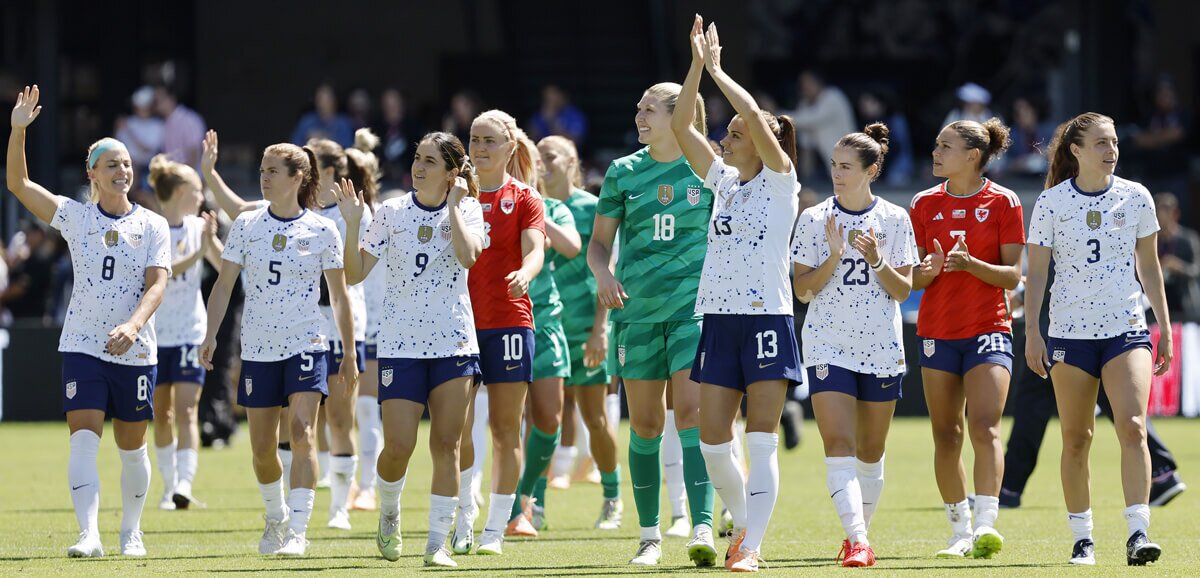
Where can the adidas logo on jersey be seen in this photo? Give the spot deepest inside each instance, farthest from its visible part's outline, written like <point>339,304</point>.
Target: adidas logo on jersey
<point>939,217</point>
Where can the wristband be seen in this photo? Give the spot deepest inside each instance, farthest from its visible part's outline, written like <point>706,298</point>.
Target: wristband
<point>878,266</point>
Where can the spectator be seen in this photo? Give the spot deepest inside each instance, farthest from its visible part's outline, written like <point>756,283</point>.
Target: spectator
<point>324,121</point>
<point>464,106</point>
<point>879,105</point>
<point>398,134</point>
<point>822,115</point>
<point>973,101</point>
<point>183,128</point>
<point>1179,255</point>
<point>717,118</point>
<point>1164,128</point>
<point>29,278</point>
<point>1028,133</point>
<point>142,133</point>
<point>558,117</point>
<point>359,108</point>
<point>1159,153</point>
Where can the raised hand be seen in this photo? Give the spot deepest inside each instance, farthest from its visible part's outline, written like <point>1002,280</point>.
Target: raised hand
<point>696,40</point>
<point>959,258</point>
<point>712,54</point>
<point>835,236</point>
<point>349,201</point>
<point>868,245</point>
<point>208,159</point>
<point>26,109</point>
<point>457,191</point>
<point>210,227</point>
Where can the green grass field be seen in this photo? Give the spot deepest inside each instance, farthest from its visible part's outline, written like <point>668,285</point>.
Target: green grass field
<point>37,522</point>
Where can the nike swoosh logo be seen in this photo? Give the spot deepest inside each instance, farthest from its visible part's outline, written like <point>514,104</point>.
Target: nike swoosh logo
<point>632,197</point>
<point>672,464</point>
<point>836,493</point>
<point>306,377</point>
<point>73,488</point>
<point>139,496</point>
<point>766,365</point>
<point>593,371</point>
<point>700,483</point>
<point>297,511</point>
<point>887,385</point>
<point>512,367</point>
<point>637,487</point>
<point>1063,220</point>
<point>557,363</point>
<point>462,363</point>
<point>757,493</point>
<point>141,407</point>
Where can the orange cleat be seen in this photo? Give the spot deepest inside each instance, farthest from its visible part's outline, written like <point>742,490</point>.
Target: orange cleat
<point>743,561</point>
<point>735,545</point>
<point>860,556</point>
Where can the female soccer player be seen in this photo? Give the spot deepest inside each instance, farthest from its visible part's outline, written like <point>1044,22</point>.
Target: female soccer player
<point>180,326</point>
<point>964,322</point>
<point>280,252</point>
<point>514,241</point>
<point>853,347</point>
<point>429,355</point>
<point>662,211</point>
<point>121,257</point>
<point>748,345</point>
<point>1097,226</point>
<point>585,324</point>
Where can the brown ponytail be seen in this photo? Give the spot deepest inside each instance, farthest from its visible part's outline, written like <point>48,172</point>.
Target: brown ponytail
<point>454,156</point>
<point>871,145</point>
<point>1063,164</point>
<point>301,161</point>
<point>785,133</point>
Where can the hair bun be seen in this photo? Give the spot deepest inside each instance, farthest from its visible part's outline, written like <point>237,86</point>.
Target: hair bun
<point>365,140</point>
<point>879,133</point>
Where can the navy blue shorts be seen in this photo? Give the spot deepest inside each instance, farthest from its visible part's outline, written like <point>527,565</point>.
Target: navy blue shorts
<point>270,383</point>
<point>180,364</point>
<point>506,355</point>
<point>413,379</point>
<point>1091,355</point>
<point>334,356</point>
<point>862,386</point>
<point>124,392</point>
<point>737,350</point>
<point>958,356</point>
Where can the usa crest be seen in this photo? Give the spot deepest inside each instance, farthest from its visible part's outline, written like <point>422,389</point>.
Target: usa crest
<point>666,194</point>
<point>621,354</point>
<point>445,228</point>
<point>929,346</point>
<point>507,205</point>
<point>135,240</point>
<point>249,385</point>
<point>279,243</point>
<point>822,371</point>
<point>111,237</point>
<point>385,377</point>
<point>424,233</point>
<point>1093,219</point>
<point>303,245</point>
<point>71,389</point>
<point>981,214</point>
<point>693,195</point>
<point>1059,355</point>
<point>1119,218</point>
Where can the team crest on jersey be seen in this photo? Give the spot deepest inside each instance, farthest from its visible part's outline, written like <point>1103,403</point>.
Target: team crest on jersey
<point>1093,219</point>
<point>1119,218</point>
<point>929,346</point>
<point>621,354</point>
<point>385,377</point>
<point>854,234</point>
<point>135,240</point>
<point>111,237</point>
<point>302,245</point>
<point>424,233</point>
<point>981,214</point>
<point>71,389</point>
<point>181,246</point>
<point>507,205</point>
<point>881,239</point>
<point>445,228</point>
<point>279,243</point>
<point>249,386</point>
<point>693,195</point>
<point>1059,355</point>
<point>666,194</point>
<point>822,371</point>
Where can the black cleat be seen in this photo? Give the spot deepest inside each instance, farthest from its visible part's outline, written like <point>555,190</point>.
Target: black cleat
<point>1165,489</point>
<point>1009,498</point>
<point>1139,550</point>
<point>1084,553</point>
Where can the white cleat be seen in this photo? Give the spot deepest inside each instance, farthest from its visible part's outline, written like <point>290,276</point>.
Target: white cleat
<point>648,554</point>
<point>680,528</point>
<point>610,515</point>
<point>490,544</point>
<point>295,545</point>
<point>131,543</point>
<point>339,519</point>
<point>988,542</point>
<point>959,547</point>
<point>388,538</point>
<point>167,503</point>
<point>700,548</point>
<point>440,558</point>
<point>463,537</point>
<point>88,546</point>
<point>274,536</point>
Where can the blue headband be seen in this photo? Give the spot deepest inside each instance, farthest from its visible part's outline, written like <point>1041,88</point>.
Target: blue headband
<point>104,146</point>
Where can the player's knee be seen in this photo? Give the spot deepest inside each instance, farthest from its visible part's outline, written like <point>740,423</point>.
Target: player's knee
<point>443,445</point>
<point>646,426</point>
<point>504,434</point>
<point>947,435</point>
<point>984,430</point>
<point>1131,430</point>
<point>1077,440</point>
<point>303,433</point>
<point>397,450</point>
<point>836,445</point>
<point>596,422</point>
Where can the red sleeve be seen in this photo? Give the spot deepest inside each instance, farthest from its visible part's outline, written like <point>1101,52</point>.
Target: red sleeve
<point>533,214</point>
<point>918,225</point>
<point>1012,226</point>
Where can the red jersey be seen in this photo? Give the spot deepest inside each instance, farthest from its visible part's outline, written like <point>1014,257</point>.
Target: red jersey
<point>957,305</point>
<point>507,211</point>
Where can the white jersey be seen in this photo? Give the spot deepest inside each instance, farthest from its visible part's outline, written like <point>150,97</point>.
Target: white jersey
<point>181,319</point>
<point>282,263</point>
<point>427,308</point>
<point>374,288</point>
<point>358,298</point>
<point>852,322</point>
<point>1093,236</point>
<point>746,264</point>
<point>109,256</point>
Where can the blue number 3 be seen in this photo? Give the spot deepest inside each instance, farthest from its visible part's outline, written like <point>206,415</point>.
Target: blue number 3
<point>1095,245</point>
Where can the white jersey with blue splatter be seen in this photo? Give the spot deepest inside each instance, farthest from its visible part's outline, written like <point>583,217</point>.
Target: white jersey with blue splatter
<point>374,287</point>
<point>282,263</point>
<point>1096,294</point>
<point>357,294</point>
<point>746,265</point>
<point>109,257</point>
<point>181,319</point>
<point>852,322</point>
<point>426,308</point>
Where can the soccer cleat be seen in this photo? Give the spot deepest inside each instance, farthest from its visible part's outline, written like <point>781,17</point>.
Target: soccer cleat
<point>959,547</point>
<point>167,503</point>
<point>462,542</point>
<point>726,523</point>
<point>1139,550</point>
<point>843,552</point>
<point>649,552</point>
<point>490,544</point>
<point>701,550</point>
<point>1009,498</point>
<point>610,515</point>
<point>1165,489</point>
<point>680,528</point>
<point>521,527</point>
<point>735,543</point>
<point>1084,553</point>
<point>131,543</point>
<point>294,546</point>
<point>388,537</point>
<point>986,542</point>
<point>339,519</point>
<point>88,546</point>
<point>183,498</point>
<point>539,518</point>
<point>743,561</point>
<point>440,558</point>
<point>364,501</point>
<point>274,536</point>
<point>559,483</point>
<point>859,556</point>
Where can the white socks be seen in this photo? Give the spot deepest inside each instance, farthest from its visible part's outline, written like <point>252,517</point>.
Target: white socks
<point>273,500</point>
<point>841,478</point>
<point>870,480</point>
<point>323,470</point>
<point>389,496</point>
<point>612,407</point>
<point>441,516</point>
<point>166,456</point>
<point>762,486</point>
<point>467,512</point>
<point>479,430</point>
<point>300,502</point>
<point>370,439</point>
<point>135,482</point>
<point>285,458</point>
<point>651,533</point>
<point>564,458</point>
<point>672,458</point>
<point>959,516</point>
<point>987,508</point>
<point>1080,525</point>
<point>726,478</point>
<point>84,479</point>
<point>341,472</point>
<point>499,510</point>
<point>1138,518</point>
<point>185,472</point>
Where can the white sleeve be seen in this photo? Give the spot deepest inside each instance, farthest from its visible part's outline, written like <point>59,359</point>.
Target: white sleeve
<point>332,257</point>
<point>904,245</point>
<point>375,237</point>
<point>67,217</point>
<point>804,243</point>
<point>1041,225</point>
<point>159,253</point>
<point>718,172</point>
<point>1148,220</point>
<point>235,241</point>
<point>473,219</point>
